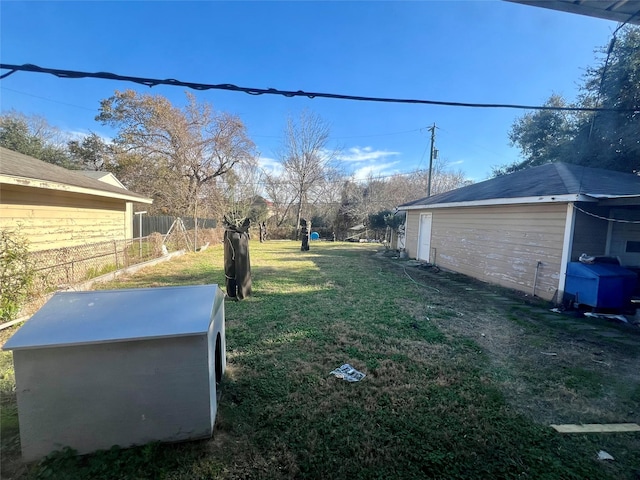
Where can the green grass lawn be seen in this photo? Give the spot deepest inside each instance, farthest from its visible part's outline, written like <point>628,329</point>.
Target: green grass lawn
<point>429,406</point>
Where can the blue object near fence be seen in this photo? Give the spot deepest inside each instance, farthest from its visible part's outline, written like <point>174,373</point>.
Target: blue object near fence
<point>314,236</point>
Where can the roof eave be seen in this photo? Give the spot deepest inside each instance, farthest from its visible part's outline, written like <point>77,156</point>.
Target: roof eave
<point>506,201</point>
<point>614,197</point>
<point>48,185</point>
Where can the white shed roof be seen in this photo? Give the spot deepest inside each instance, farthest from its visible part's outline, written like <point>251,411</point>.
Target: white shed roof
<point>104,316</point>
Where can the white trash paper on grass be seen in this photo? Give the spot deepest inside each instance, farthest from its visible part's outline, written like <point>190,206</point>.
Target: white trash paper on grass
<point>602,455</point>
<point>348,373</point>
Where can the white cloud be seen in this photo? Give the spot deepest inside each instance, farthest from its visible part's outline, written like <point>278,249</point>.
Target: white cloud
<point>362,154</point>
<point>359,155</point>
<point>270,165</point>
<point>364,172</point>
<point>79,136</point>
<point>75,135</point>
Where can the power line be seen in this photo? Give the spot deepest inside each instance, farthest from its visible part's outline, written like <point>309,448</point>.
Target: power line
<point>152,82</point>
<point>254,135</point>
<point>47,99</point>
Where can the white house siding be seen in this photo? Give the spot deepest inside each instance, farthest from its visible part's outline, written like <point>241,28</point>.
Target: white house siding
<point>52,219</point>
<point>499,244</point>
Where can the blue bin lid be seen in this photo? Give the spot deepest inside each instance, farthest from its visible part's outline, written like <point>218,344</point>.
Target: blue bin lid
<point>598,270</point>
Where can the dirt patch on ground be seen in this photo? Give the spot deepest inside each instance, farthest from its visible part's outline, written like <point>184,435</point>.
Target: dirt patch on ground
<point>553,368</point>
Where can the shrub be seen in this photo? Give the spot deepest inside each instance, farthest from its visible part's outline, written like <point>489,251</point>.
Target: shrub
<point>155,241</point>
<point>16,273</point>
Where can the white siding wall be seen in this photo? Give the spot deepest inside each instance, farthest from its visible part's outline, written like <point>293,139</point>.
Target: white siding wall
<point>498,244</point>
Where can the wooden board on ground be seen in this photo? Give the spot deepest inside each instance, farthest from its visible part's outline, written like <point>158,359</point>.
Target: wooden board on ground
<point>597,428</point>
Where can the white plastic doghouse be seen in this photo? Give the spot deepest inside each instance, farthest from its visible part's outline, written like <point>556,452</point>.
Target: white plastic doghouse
<point>119,367</point>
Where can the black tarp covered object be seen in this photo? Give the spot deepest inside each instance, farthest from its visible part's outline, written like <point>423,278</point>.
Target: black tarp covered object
<point>305,231</point>
<point>237,265</point>
<point>263,232</point>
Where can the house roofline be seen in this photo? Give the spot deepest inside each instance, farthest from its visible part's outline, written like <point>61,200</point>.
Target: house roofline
<point>49,185</point>
<point>505,201</point>
<point>600,196</point>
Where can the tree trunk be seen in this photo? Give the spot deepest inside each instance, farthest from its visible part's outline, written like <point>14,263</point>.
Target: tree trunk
<point>299,216</point>
<point>195,225</point>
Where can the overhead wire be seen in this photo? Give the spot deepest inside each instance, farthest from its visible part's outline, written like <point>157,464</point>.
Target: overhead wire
<point>608,219</point>
<point>47,99</point>
<point>152,82</point>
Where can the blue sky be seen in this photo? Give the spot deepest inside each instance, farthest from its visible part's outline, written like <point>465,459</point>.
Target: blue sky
<point>465,51</point>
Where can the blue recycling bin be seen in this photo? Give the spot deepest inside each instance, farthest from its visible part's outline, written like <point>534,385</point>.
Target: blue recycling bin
<point>600,285</point>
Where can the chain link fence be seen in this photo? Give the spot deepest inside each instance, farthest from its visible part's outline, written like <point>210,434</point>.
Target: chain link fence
<point>162,224</point>
<point>61,267</point>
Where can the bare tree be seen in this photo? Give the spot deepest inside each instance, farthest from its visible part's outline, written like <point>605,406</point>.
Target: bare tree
<point>283,196</point>
<point>446,179</point>
<point>327,196</point>
<point>362,200</point>
<point>305,156</point>
<point>414,186</point>
<point>241,192</point>
<point>183,149</point>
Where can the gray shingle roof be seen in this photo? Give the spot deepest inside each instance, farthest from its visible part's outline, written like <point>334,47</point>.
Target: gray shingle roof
<point>546,180</point>
<point>16,164</point>
<point>93,174</point>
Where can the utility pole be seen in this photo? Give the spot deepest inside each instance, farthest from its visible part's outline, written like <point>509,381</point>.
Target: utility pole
<point>433,139</point>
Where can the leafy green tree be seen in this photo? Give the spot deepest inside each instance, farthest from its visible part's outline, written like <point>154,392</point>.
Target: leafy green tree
<point>394,220</point>
<point>92,152</point>
<point>612,139</point>
<point>351,211</point>
<point>605,139</point>
<point>34,136</point>
<point>16,135</point>
<point>377,221</point>
<point>541,136</point>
